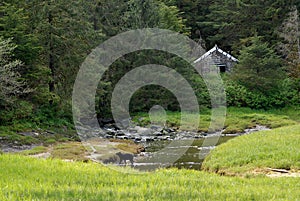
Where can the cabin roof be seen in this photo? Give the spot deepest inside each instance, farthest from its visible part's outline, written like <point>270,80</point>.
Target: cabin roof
<point>216,49</point>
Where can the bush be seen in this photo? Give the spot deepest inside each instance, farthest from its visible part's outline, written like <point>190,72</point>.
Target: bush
<point>240,96</point>
<point>20,110</point>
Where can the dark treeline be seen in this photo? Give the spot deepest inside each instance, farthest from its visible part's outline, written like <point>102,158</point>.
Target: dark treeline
<point>43,43</point>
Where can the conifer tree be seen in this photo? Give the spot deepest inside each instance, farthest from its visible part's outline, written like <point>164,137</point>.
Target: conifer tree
<point>259,68</point>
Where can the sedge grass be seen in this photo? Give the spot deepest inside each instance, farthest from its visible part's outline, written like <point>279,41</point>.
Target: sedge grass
<point>277,148</point>
<point>25,178</point>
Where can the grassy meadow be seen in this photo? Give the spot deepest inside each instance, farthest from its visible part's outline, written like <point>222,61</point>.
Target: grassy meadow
<point>25,178</point>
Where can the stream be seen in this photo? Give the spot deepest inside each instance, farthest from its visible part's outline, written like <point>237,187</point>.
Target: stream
<point>163,147</point>
<point>170,148</point>
<point>190,159</point>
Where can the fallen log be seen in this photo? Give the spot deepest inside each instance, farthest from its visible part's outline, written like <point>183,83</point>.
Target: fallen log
<point>278,170</point>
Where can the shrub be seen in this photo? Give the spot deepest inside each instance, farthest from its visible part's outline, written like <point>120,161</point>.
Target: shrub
<point>240,96</point>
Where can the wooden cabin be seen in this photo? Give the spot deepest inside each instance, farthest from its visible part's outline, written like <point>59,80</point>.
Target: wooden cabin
<point>218,59</point>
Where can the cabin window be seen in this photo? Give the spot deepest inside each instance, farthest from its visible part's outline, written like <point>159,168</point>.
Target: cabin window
<point>222,68</point>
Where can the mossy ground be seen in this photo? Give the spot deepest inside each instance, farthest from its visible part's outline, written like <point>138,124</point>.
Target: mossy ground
<point>237,119</point>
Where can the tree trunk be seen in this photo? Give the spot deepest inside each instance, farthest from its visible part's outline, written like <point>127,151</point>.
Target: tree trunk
<point>51,55</point>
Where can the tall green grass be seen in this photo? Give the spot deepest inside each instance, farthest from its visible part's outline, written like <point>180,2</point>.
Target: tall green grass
<point>278,148</point>
<point>25,178</point>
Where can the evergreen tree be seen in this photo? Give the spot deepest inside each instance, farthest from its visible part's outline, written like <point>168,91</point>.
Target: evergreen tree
<point>66,35</point>
<point>290,46</point>
<point>11,86</point>
<point>137,14</point>
<point>15,25</point>
<point>259,68</point>
<point>232,20</point>
<point>113,17</point>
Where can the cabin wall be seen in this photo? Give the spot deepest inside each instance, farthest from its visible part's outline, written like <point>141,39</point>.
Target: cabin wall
<point>221,60</point>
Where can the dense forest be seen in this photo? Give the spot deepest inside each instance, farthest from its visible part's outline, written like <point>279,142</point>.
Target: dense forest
<point>44,42</point>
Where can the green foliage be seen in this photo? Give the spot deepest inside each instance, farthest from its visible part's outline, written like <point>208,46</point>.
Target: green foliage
<point>11,85</point>
<point>47,116</point>
<point>65,35</point>
<point>256,83</point>
<point>194,13</point>
<point>259,68</point>
<point>289,46</point>
<point>258,80</point>
<point>169,18</point>
<point>240,96</point>
<point>15,24</point>
<point>151,95</point>
<point>114,16</point>
<point>278,148</point>
<point>127,15</point>
<point>20,110</point>
<point>229,21</point>
<point>51,39</point>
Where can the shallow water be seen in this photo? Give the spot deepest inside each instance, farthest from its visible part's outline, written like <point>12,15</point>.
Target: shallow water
<point>191,159</point>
